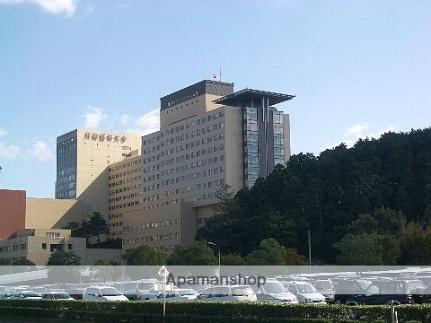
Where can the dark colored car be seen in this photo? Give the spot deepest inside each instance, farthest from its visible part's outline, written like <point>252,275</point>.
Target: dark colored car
<point>345,288</point>
<point>389,291</point>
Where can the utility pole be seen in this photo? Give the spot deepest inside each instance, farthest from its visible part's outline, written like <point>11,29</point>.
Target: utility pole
<point>309,251</point>
<point>219,255</point>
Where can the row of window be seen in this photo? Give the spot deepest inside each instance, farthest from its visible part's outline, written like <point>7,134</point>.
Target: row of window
<point>13,247</point>
<point>187,125</point>
<point>180,179</point>
<point>184,147</point>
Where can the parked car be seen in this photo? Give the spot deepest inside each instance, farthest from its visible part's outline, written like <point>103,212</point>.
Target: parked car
<point>241,293</point>
<point>188,293</point>
<point>326,288</point>
<point>274,291</point>
<point>387,292</point>
<point>148,289</point>
<point>57,296</point>
<point>305,292</point>
<point>25,295</point>
<point>178,295</point>
<point>103,294</point>
<point>345,288</point>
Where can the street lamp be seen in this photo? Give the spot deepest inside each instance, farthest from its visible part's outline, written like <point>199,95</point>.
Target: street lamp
<point>219,255</point>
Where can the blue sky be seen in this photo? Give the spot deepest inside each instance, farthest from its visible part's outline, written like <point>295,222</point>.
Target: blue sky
<point>358,68</point>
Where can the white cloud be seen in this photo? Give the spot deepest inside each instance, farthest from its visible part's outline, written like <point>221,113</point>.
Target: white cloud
<point>125,119</point>
<point>359,131</point>
<point>3,132</point>
<point>147,123</point>
<point>40,151</point>
<point>94,117</point>
<point>67,7</point>
<point>9,151</point>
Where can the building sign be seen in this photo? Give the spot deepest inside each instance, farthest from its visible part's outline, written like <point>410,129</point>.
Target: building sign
<point>103,136</point>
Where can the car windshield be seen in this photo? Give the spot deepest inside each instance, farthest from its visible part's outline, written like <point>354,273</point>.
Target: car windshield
<point>305,288</point>
<point>274,287</point>
<point>110,292</point>
<point>323,284</point>
<point>241,291</point>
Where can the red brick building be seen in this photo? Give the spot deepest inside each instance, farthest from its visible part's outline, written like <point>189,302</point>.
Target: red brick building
<point>12,212</point>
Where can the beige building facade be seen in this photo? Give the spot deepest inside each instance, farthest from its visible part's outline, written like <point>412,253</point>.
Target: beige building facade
<point>37,245</point>
<point>83,160</point>
<point>124,193</point>
<point>46,213</point>
<point>210,137</point>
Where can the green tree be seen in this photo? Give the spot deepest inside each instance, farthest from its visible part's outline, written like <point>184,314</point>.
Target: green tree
<point>391,248</point>
<point>4,261</point>
<point>94,226</point>
<point>389,221</point>
<point>197,254</point>
<point>145,256</point>
<point>364,224</point>
<point>293,258</point>
<point>386,178</point>
<point>22,262</point>
<point>232,259</point>
<point>416,245</point>
<point>359,249</point>
<point>270,252</point>
<point>64,258</point>
<point>368,249</point>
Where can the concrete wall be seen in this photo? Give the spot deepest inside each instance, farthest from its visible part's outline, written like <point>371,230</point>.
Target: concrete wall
<point>234,148</point>
<point>12,212</point>
<point>44,213</point>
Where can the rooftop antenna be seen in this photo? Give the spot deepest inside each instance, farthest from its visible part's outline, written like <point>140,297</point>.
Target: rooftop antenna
<point>219,76</point>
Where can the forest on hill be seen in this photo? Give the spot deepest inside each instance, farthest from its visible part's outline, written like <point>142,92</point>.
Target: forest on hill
<point>369,204</point>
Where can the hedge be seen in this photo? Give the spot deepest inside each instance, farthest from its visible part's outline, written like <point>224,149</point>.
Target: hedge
<point>209,312</point>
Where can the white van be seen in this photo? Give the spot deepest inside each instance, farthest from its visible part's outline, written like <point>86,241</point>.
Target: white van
<point>103,294</point>
<point>240,293</point>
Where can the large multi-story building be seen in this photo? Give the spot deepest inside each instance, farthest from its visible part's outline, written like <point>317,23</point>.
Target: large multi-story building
<point>83,159</point>
<point>209,137</point>
<point>124,193</point>
<point>158,189</point>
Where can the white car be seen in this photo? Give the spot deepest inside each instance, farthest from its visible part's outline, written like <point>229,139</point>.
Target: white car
<point>241,293</point>
<point>188,293</point>
<point>57,295</point>
<point>274,291</point>
<point>178,295</point>
<point>103,294</point>
<point>305,292</point>
<point>25,295</point>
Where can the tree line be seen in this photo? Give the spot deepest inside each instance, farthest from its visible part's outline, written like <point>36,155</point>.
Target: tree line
<point>369,204</point>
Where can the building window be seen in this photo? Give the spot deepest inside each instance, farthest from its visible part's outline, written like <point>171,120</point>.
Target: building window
<point>70,246</point>
<point>43,245</point>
